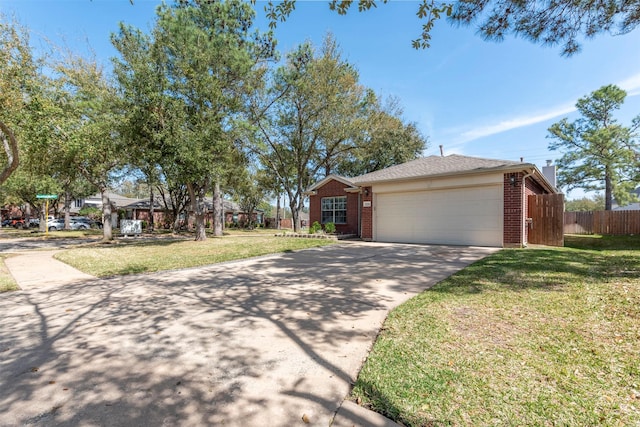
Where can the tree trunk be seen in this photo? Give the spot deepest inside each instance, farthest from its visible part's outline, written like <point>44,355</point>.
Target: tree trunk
<point>278,213</point>
<point>608,196</point>
<point>107,228</point>
<point>10,146</point>
<point>27,216</point>
<point>199,210</point>
<point>67,207</point>
<point>151,225</point>
<point>217,210</point>
<point>176,224</point>
<point>295,217</point>
<point>44,216</point>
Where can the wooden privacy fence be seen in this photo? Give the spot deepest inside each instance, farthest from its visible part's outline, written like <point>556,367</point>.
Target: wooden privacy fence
<point>602,222</point>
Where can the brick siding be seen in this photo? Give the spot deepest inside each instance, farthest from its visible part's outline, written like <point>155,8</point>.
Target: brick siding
<point>367,215</point>
<point>516,208</point>
<point>513,204</point>
<point>335,188</point>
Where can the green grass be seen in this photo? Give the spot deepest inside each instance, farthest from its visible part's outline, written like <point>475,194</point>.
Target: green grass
<point>129,257</point>
<point>524,337</point>
<point>6,280</point>
<point>255,231</point>
<point>598,242</point>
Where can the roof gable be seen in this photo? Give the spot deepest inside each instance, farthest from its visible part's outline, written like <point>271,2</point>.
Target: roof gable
<point>343,180</point>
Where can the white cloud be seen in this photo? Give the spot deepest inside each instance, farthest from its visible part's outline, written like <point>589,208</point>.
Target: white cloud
<point>515,123</point>
<point>462,136</point>
<point>631,85</point>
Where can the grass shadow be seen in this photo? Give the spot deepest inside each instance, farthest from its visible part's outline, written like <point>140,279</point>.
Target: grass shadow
<point>541,269</point>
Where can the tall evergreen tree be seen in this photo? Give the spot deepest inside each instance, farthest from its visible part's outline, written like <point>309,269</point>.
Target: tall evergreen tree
<point>203,62</point>
<point>598,152</point>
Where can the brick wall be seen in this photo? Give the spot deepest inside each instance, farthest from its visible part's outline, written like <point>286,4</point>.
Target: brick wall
<point>335,188</point>
<point>367,215</point>
<point>516,208</point>
<point>513,224</point>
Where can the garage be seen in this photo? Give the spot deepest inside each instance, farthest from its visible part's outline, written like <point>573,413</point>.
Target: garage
<point>448,200</point>
<point>463,216</point>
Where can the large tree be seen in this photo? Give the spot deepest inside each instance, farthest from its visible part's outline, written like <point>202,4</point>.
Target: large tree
<point>47,160</point>
<point>149,117</point>
<point>203,62</point>
<point>549,22</point>
<point>386,141</point>
<point>598,152</point>
<point>86,129</point>
<point>313,113</point>
<point>18,72</point>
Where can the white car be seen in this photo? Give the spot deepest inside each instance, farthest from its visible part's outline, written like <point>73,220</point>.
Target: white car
<point>58,224</point>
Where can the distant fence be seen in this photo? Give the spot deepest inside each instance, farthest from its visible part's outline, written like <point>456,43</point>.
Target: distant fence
<point>602,222</point>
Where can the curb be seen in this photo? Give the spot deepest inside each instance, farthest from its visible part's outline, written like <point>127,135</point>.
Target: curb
<point>351,414</point>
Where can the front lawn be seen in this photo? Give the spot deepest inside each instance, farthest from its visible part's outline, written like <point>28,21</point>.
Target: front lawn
<point>131,256</point>
<point>524,337</point>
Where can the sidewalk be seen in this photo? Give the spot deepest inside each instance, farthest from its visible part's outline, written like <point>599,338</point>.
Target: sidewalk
<point>37,269</point>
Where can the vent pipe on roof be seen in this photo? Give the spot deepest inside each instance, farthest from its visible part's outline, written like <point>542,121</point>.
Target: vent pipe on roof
<point>441,151</point>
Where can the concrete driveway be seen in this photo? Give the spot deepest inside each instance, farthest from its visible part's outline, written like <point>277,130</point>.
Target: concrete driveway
<point>261,342</point>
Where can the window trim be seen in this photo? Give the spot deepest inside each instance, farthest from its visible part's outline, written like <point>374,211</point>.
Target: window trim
<point>333,210</point>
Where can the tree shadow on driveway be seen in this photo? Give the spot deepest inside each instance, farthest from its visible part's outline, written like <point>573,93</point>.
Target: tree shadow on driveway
<point>258,342</point>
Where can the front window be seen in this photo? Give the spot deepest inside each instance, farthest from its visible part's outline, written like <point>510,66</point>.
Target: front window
<point>334,209</point>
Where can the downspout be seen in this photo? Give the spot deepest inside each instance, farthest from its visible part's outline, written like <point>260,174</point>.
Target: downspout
<point>524,203</point>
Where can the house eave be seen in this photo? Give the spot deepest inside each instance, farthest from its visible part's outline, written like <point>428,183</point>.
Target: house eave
<point>542,180</point>
<point>524,167</point>
<point>325,180</point>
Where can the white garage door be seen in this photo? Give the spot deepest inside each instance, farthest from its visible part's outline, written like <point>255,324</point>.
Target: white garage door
<point>466,216</point>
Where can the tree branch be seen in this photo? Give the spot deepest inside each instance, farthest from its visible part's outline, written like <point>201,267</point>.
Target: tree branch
<point>11,149</point>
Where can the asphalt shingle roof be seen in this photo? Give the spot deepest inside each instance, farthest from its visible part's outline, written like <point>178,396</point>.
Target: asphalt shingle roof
<point>435,165</point>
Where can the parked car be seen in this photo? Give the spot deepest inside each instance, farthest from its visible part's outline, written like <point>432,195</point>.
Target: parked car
<point>34,222</point>
<point>90,222</point>
<point>17,223</point>
<point>55,224</point>
<point>79,225</point>
<point>58,224</point>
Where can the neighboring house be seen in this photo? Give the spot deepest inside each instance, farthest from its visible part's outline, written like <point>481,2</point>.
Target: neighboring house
<point>232,212</point>
<point>117,202</point>
<point>457,200</point>
<point>630,207</point>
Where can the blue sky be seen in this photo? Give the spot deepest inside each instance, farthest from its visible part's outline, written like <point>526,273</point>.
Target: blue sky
<point>474,97</point>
